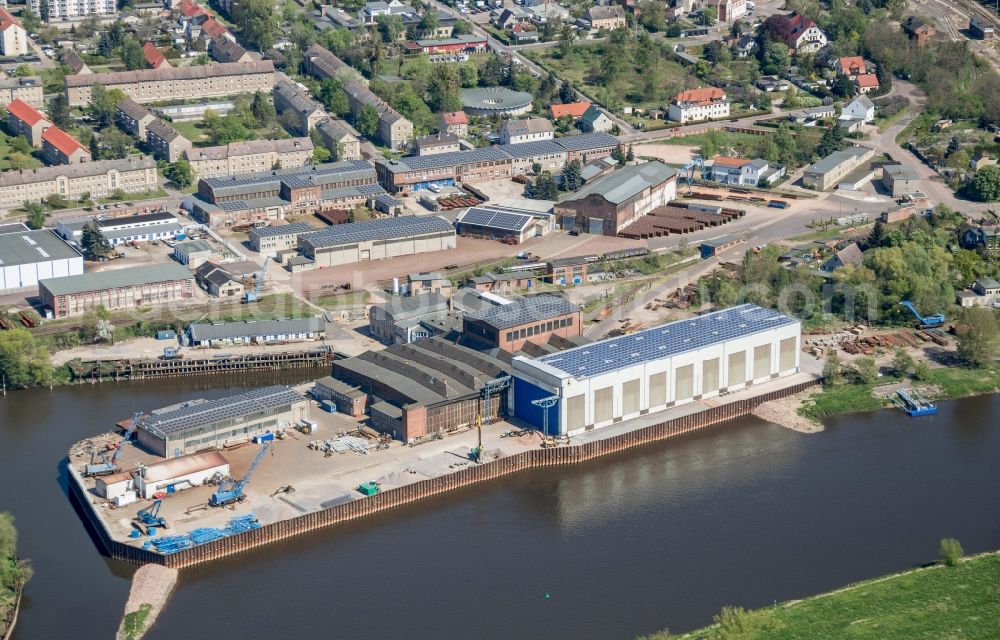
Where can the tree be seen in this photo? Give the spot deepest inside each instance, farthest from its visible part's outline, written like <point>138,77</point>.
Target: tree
<point>43,11</point>
<point>736,623</point>
<point>262,109</point>
<point>36,215</point>
<point>132,55</point>
<point>389,27</point>
<point>619,155</point>
<point>986,184</point>
<point>334,97</point>
<point>180,173</point>
<point>20,144</point>
<point>114,144</point>
<point>103,103</point>
<point>258,22</point>
<point>877,236</point>
<point>708,16</point>
<point>922,372</point>
<point>951,551</point>
<point>866,370</point>
<point>832,370</point>
<point>20,161</point>
<point>571,179</point>
<point>978,336</point>
<point>23,362</point>
<point>59,112</point>
<point>367,122</point>
<point>320,154</point>
<point>492,72</point>
<point>773,58</point>
<point>22,71</point>
<point>843,87</point>
<point>468,74</point>
<point>776,28</point>
<point>95,246</point>
<point>566,93</point>
<point>443,93</point>
<point>832,140</point>
<point>902,362</point>
<point>429,22</point>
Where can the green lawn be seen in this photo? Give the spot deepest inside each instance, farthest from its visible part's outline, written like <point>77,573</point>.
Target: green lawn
<point>843,398</point>
<point>956,382</point>
<point>6,150</point>
<point>728,139</point>
<point>134,197</point>
<point>933,603</point>
<point>194,130</point>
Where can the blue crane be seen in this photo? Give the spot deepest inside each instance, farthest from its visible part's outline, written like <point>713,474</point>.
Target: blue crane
<point>150,516</point>
<point>687,171</point>
<point>108,466</point>
<point>926,322</point>
<point>254,296</point>
<point>228,495</point>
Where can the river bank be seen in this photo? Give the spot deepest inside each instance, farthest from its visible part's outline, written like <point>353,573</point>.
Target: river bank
<point>937,601</point>
<point>151,588</point>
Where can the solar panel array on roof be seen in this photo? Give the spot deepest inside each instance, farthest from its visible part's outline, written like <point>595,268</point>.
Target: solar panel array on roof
<point>379,229</point>
<point>525,311</point>
<point>196,415</point>
<point>281,230</point>
<point>496,218</point>
<point>666,340</point>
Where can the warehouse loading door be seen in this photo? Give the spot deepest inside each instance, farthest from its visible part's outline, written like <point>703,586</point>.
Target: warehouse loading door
<point>658,389</point>
<point>576,412</point>
<point>366,254</point>
<point>604,403</point>
<point>762,361</point>
<point>630,397</point>
<point>709,376</point>
<point>786,354</point>
<point>596,226</point>
<point>737,369</point>
<point>685,383</point>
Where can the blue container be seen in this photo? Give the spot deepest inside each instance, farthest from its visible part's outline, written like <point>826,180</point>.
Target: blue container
<point>166,335</point>
<point>151,531</point>
<point>180,236</point>
<point>329,406</point>
<point>135,533</point>
<point>267,437</point>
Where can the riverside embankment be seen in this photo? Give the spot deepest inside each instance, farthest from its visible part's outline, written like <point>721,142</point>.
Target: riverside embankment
<point>662,535</point>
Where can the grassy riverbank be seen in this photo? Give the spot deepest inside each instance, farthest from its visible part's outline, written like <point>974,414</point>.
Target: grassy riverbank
<point>13,573</point>
<point>952,382</point>
<point>940,601</point>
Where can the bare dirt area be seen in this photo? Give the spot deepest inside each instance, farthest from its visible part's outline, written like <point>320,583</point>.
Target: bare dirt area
<point>669,153</point>
<point>785,412</point>
<point>152,585</point>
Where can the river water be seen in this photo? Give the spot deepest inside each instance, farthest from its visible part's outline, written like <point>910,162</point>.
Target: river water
<point>744,513</point>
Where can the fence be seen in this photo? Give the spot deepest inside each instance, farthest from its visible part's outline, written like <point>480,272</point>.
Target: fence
<point>391,498</point>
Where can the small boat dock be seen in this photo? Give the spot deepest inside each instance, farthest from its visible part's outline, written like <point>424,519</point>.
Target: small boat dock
<point>914,404</point>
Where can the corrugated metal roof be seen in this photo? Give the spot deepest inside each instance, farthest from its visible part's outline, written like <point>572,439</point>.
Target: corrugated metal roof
<point>525,311</point>
<point>175,421</point>
<point>626,182</point>
<point>255,328</point>
<point>281,230</point>
<point>21,246</point>
<point>116,279</point>
<point>182,466</point>
<point>192,246</point>
<point>379,229</point>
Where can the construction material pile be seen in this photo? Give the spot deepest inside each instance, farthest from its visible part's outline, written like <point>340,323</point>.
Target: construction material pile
<point>342,444</point>
<point>173,544</point>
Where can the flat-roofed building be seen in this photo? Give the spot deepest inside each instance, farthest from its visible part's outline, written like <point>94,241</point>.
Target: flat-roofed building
<point>176,83</point>
<point>347,398</point>
<point>63,11</point>
<point>377,239</point>
<point>648,371</point>
<point>29,256</point>
<point>190,426</point>
<point>101,178</point>
<point>608,205</point>
<point>828,172</point>
<point>340,141</point>
<point>131,229</point>
<point>307,113</point>
<point>131,117</point>
<point>535,319</point>
<point>269,241</point>
<point>431,282</point>
<point>259,332</point>
<point>28,89</point>
<point>252,156</point>
<point>25,120</point>
<point>193,253</point>
<point>166,142</point>
<point>116,289</point>
<point>900,179</point>
<point>58,147</point>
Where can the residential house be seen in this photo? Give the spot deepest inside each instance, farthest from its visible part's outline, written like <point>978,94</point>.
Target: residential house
<point>154,58</point>
<point>131,117</point>
<point>978,161</point>
<point>58,147</point>
<point>699,104</point>
<point>101,178</point>
<point>804,36</point>
<point>66,11</point>
<point>609,17</point>
<point>253,156</point>
<point>984,238</point>
<point>72,59</point>
<point>861,108</point>
<point>435,143</point>
<point>866,83</point>
<point>307,113</point>
<point>985,292</point>
<point>574,110</point>
<point>524,33</point>
<point>28,89</point>
<point>527,130</point>
<point>900,179</point>
<point>728,10</point>
<point>745,172</point>
<point>511,16</point>
<point>226,50</point>
<point>13,37</point>
<point>545,11</point>
<point>165,142</point>
<point>596,120</point>
<point>25,120</point>
<point>336,137</point>
<point>850,255</point>
<point>744,46</point>
<point>456,123</point>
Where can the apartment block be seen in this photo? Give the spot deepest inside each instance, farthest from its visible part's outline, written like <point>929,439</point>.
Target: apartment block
<point>249,157</point>
<point>100,179</point>
<point>165,142</point>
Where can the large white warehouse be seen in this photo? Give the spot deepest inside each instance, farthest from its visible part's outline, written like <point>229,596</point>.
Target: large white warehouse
<point>29,256</point>
<point>618,379</point>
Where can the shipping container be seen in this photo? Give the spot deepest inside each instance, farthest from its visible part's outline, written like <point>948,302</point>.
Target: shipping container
<point>166,335</point>
<point>329,406</point>
<point>368,489</point>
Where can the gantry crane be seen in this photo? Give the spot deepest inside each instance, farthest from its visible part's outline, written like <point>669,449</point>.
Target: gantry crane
<point>687,171</point>
<point>228,495</point>
<point>254,296</point>
<point>545,404</point>
<point>108,466</point>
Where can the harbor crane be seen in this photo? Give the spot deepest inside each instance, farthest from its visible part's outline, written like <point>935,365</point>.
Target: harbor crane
<point>150,517</point>
<point>545,404</point>
<point>107,465</point>
<point>687,171</point>
<point>227,495</point>
<point>926,322</point>
<point>254,296</point>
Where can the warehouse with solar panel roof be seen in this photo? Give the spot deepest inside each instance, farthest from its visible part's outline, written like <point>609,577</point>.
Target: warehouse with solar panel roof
<point>617,379</point>
<point>377,239</point>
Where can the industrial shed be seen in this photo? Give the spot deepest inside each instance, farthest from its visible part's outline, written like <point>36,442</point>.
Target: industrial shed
<point>377,239</point>
<point>28,256</point>
<point>621,378</point>
<point>506,224</point>
<point>180,473</point>
<point>255,332</point>
<point>511,326</point>
<point>190,426</point>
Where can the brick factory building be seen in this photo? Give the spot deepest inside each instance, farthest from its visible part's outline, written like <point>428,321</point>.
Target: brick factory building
<point>116,289</point>
<point>611,203</point>
<point>176,83</point>
<point>535,319</point>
